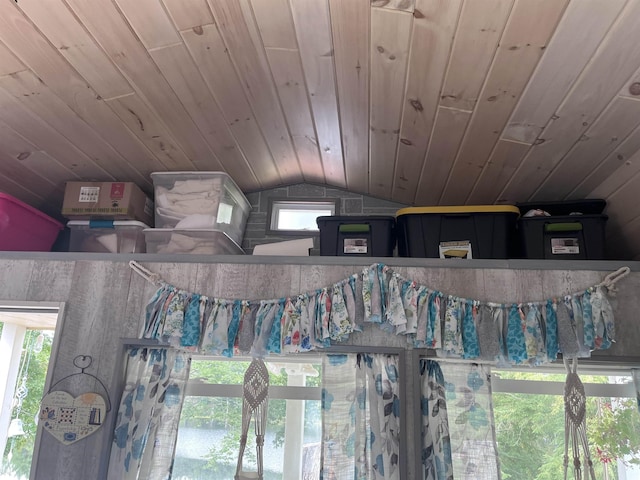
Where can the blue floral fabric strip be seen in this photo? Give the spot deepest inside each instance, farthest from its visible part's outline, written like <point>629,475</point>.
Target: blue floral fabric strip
<point>532,333</point>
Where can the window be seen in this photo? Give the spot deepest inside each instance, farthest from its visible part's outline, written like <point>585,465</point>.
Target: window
<point>298,216</point>
<point>26,341</point>
<point>529,423</point>
<point>210,423</point>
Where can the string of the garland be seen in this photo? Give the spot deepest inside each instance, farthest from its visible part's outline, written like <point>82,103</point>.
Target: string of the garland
<point>532,332</point>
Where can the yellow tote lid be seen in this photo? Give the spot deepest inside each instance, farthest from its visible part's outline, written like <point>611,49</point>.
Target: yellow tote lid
<point>460,209</point>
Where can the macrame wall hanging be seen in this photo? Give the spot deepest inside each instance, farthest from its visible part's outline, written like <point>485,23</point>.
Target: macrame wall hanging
<point>255,402</point>
<point>532,332</point>
<point>575,424</point>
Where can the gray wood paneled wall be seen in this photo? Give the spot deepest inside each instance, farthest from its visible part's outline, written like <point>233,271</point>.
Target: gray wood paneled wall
<point>104,301</point>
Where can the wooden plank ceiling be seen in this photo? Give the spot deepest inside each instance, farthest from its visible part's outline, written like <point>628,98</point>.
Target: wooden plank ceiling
<point>423,102</point>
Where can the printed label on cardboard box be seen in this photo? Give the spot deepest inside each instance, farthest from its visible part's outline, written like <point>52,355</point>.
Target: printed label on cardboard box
<point>89,194</point>
<point>117,191</point>
<point>565,246</point>
<point>355,245</point>
<point>457,249</point>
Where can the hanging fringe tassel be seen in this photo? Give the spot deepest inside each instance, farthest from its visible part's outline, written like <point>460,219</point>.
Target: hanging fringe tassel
<point>575,425</point>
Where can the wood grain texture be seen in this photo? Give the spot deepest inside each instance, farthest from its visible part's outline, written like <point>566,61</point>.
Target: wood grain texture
<point>258,84</point>
<point>115,36</point>
<point>32,157</point>
<point>390,32</point>
<point>8,61</point>
<point>187,14</point>
<point>139,118</point>
<point>622,165</point>
<point>23,193</point>
<point>313,31</point>
<point>618,120</point>
<point>185,79</point>
<point>612,65</point>
<point>579,33</point>
<point>449,128</point>
<point>275,23</point>
<point>51,68</point>
<point>433,27</point>
<point>28,88</point>
<point>479,30</point>
<point>14,278</point>
<point>213,60</point>
<point>289,79</point>
<point>150,21</point>
<point>350,32</point>
<point>527,33</point>
<point>504,161</point>
<point>25,123</point>
<point>62,28</point>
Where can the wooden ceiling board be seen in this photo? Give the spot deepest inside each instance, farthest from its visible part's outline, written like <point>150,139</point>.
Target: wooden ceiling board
<point>390,35</point>
<point>504,161</point>
<point>448,131</point>
<point>27,124</point>
<point>579,33</point>
<point>212,57</point>
<point>417,101</point>
<point>622,165</point>
<point>66,33</point>
<point>481,25</point>
<point>117,38</point>
<point>31,92</point>
<point>22,193</point>
<point>350,33</point>
<point>289,78</point>
<point>259,88</point>
<point>525,37</point>
<point>187,14</point>
<point>13,168</point>
<point>139,118</point>
<point>53,70</point>
<point>609,130</point>
<point>275,23</point>
<point>27,154</point>
<point>312,23</point>
<point>434,25</point>
<point>182,74</point>
<point>8,61</point>
<point>150,22</point>
<point>616,59</point>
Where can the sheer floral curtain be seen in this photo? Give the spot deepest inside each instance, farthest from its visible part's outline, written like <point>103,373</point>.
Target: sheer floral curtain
<point>148,416</point>
<point>360,417</point>
<point>458,436</point>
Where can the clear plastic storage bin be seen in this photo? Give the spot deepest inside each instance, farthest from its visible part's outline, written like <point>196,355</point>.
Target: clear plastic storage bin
<point>200,200</point>
<point>107,236</point>
<point>203,242</point>
<point>23,228</point>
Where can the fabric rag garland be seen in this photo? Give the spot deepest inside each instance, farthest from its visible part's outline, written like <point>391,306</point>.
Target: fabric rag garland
<point>519,333</point>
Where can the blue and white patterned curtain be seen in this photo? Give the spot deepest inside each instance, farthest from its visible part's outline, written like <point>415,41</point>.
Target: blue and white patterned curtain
<point>360,417</point>
<point>458,435</point>
<point>147,423</point>
<point>436,441</point>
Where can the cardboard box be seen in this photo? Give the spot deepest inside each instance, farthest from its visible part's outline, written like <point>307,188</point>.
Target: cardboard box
<point>108,200</point>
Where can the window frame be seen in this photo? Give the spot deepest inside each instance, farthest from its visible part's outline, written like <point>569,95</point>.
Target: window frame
<point>276,203</point>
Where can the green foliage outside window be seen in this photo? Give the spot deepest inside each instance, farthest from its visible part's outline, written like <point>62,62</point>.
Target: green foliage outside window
<point>16,458</point>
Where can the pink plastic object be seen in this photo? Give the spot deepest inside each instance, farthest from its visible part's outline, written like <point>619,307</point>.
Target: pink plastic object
<point>23,228</point>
